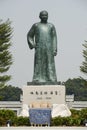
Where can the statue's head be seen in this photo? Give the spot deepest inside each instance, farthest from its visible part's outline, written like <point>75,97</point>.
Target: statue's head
<point>43,16</point>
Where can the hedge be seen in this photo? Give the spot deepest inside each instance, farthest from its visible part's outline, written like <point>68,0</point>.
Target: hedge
<point>76,119</point>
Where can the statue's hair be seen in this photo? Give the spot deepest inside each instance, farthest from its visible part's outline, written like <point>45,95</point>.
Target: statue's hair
<point>43,12</point>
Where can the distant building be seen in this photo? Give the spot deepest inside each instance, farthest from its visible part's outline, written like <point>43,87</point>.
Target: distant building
<point>78,105</point>
<point>11,105</point>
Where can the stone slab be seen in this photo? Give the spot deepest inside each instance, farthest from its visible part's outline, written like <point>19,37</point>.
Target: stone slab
<point>53,94</point>
<point>40,116</point>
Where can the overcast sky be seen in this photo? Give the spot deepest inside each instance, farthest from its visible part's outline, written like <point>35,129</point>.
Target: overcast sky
<point>70,20</point>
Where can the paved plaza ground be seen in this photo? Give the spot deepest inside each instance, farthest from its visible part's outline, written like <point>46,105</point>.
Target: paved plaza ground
<point>43,128</point>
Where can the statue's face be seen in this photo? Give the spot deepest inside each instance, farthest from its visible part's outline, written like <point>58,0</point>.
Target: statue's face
<point>44,17</point>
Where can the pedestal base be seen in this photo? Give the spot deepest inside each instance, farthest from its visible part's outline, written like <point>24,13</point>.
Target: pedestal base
<point>45,96</point>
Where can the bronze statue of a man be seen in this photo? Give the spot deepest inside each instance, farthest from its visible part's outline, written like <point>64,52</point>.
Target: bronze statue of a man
<point>42,37</point>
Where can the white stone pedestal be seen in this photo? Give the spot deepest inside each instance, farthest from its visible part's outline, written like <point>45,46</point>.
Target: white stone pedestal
<point>53,94</point>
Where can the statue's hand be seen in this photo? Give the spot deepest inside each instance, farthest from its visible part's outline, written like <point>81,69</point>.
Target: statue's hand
<point>34,45</point>
<point>55,53</point>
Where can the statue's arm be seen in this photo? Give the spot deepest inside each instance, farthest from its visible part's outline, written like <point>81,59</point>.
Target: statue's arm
<point>54,41</point>
<point>30,37</point>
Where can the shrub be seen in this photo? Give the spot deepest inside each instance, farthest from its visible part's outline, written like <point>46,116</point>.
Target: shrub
<point>76,119</point>
<point>57,121</point>
<point>22,121</point>
<point>6,115</point>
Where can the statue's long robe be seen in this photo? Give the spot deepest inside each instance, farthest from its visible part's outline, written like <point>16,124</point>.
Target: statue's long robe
<point>42,37</point>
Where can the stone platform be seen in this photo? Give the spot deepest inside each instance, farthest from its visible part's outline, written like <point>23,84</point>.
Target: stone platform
<point>43,128</point>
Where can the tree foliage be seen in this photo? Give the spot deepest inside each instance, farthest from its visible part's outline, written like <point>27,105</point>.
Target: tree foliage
<point>5,54</point>
<point>9,93</point>
<point>78,87</point>
<point>83,68</point>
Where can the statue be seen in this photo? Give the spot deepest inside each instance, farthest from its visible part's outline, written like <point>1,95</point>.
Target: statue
<point>42,37</point>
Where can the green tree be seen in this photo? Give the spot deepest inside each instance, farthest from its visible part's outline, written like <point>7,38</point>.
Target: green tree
<point>14,93</point>
<point>5,54</point>
<point>83,68</point>
<point>78,87</point>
